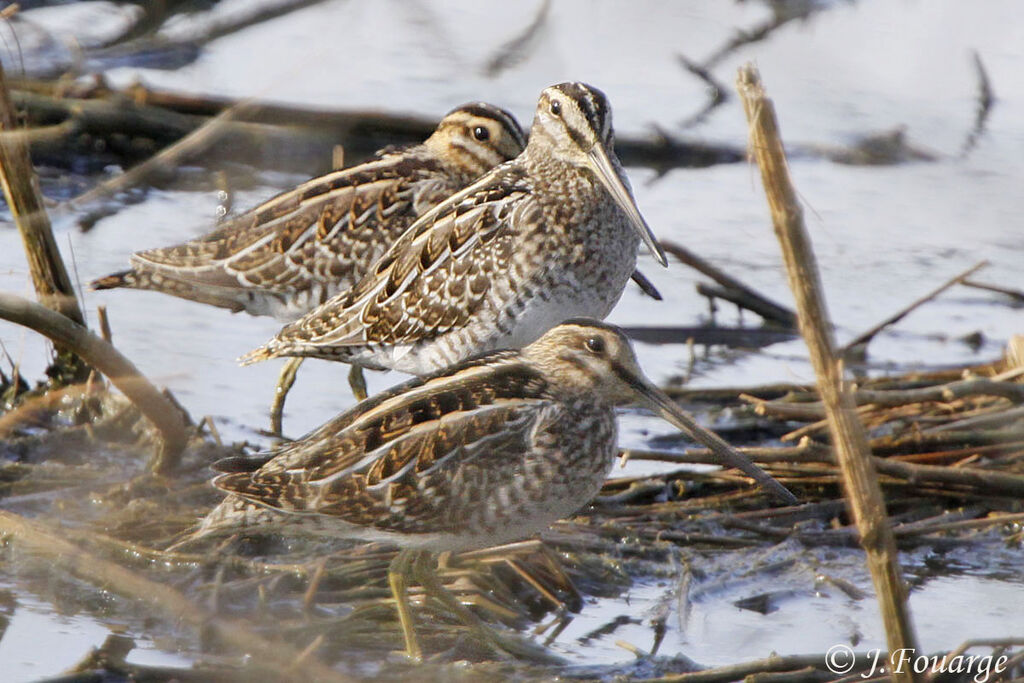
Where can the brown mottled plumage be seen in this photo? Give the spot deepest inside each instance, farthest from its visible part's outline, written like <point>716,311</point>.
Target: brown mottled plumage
<point>489,451</point>
<point>295,251</point>
<point>551,235</point>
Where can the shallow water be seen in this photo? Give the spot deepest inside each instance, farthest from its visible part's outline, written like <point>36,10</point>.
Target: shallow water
<point>40,643</point>
<point>883,235</point>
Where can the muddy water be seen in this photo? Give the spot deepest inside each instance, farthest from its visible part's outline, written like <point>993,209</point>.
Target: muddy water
<point>883,235</point>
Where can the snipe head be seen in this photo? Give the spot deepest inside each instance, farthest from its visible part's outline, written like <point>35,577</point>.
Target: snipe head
<point>573,124</point>
<point>476,137</point>
<point>586,357</point>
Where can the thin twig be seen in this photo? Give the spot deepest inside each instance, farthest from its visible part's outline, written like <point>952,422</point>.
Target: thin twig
<point>865,337</point>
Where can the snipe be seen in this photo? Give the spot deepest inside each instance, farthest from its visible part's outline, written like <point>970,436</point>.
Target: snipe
<point>548,236</point>
<point>489,451</point>
<point>296,250</point>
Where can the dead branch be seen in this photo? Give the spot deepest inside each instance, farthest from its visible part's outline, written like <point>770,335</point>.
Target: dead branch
<point>814,410</point>
<point>1015,294</point>
<point>994,419</point>
<point>167,418</point>
<point>743,299</point>
<point>287,133</point>
<point>949,522</point>
<point>743,337</point>
<point>994,483</point>
<point>766,308</point>
<point>775,663</point>
<point>884,148</point>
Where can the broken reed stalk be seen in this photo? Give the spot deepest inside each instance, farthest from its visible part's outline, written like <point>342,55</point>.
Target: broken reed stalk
<point>49,276</point>
<point>279,658</point>
<point>850,441</point>
<point>167,418</point>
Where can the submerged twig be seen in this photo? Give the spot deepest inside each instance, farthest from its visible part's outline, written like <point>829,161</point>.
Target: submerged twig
<point>278,657</point>
<point>1015,294</point>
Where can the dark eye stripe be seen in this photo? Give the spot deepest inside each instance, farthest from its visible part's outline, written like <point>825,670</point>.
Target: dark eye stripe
<point>579,137</point>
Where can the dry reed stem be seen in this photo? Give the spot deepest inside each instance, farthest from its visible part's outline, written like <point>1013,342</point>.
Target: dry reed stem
<point>49,276</point>
<point>860,481</point>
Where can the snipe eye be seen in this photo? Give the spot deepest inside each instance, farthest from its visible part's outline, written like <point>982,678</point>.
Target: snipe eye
<point>556,107</point>
<point>595,345</point>
<point>481,133</point>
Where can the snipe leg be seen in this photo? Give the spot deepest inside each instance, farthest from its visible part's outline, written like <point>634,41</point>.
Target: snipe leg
<point>425,573</point>
<point>420,565</point>
<point>357,381</point>
<point>284,384</point>
<point>398,580</point>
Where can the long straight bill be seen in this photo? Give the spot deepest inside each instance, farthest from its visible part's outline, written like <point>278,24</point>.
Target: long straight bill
<point>667,408</point>
<point>605,171</point>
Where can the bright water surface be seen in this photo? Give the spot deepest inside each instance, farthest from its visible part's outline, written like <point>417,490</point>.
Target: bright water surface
<point>883,235</point>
